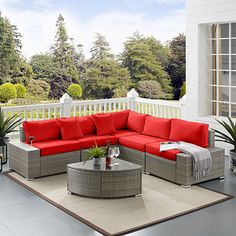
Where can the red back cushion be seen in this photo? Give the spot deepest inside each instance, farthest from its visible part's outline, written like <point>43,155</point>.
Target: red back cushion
<point>120,119</point>
<point>70,128</point>
<point>41,130</point>
<point>157,127</point>
<point>87,124</point>
<point>191,132</point>
<point>104,124</point>
<point>136,121</point>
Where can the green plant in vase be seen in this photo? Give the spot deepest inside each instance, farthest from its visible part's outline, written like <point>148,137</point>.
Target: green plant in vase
<point>96,153</point>
<point>7,125</point>
<point>228,137</point>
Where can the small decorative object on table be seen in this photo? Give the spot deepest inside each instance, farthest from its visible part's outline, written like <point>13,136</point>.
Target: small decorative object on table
<point>228,137</point>
<point>96,153</point>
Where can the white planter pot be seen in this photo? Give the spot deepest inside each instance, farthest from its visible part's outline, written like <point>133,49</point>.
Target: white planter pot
<point>232,156</point>
<point>97,161</point>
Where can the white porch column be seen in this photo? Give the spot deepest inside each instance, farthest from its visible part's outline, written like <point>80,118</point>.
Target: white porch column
<point>132,95</point>
<point>66,101</point>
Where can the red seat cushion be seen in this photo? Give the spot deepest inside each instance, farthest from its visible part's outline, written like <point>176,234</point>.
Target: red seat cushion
<point>51,147</point>
<point>120,119</point>
<point>124,132</point>
<point>104,124</point>
<point>90,141</point>
<point>137,142</point>
<point>157,127</point>
<point>154,148</point>
<point>191,132</point>
<point>87,124</point>
<point>41,130</point>
<point>70,128</point>
<point>136,121</point>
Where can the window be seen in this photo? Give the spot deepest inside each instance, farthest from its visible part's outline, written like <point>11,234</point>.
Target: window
<point>223,69</point>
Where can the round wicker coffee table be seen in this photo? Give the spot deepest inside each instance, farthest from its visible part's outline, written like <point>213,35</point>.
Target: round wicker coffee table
<point>123,180</point>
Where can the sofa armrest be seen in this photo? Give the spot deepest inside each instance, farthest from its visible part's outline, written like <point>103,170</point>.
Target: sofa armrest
<point>211,138</point>
<point>184,167</point>
<point>24,159</point>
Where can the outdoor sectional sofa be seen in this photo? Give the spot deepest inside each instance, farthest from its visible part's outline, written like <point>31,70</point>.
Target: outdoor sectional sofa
<point>58,142</point>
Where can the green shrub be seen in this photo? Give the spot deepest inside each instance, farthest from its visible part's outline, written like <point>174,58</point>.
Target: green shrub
<point>75,91</point>
<point>20,90</point>
<point>38,89</point>
<point>7,92</point>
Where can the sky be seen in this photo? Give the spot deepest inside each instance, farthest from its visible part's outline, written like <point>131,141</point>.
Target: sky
<point>115,19</point>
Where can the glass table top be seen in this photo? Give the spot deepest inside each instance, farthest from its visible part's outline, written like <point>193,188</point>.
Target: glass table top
<point>89,166</point>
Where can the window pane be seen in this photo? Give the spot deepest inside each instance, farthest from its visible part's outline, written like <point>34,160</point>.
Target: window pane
<point>224,30</point>
<point>224,46</point>
<point>213,45</point>
<point>233,62</point>
<point>223,109</point>
<point>233,46</point>
<point>233,78</point>
<point>233,110</point>
<point>213,31</point>
<point>233,94</point>
<point>223,94</point>
<point>224,62</point>
<point>233,30</point>
<point>223,78</point>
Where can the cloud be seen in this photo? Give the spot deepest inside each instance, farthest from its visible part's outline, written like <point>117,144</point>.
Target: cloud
<point>38,26</point>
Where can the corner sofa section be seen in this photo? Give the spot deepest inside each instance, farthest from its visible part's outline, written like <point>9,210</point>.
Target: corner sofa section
<point>66,140</point>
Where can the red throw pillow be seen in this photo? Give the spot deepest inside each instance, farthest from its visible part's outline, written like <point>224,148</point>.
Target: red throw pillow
<point>120,119</point>
<point>136,121</point>
<point>191,132</point>
<point>41,130</point>
<point>70,128</point>
<point>104,124</point>
<point>87,124</point>
<point>157,127</point>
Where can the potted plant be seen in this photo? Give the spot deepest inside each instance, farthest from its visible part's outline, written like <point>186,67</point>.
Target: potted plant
<point>229,137</point>
<point>96,153</point>
<point>7,126</point>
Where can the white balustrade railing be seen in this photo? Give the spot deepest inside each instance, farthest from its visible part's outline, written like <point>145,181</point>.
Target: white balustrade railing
<point>159,108</point>
<point>68,108</point>
<point>89,107</point>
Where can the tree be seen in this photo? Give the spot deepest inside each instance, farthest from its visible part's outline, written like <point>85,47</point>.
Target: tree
<point>183,90</point>
<point>20,91</point>
<point>38,89</point>
<point>101,49</point>
<point>104,77</point>
<point>7,92</point>
<point>63,51</point>
<point>177,64</point>
<point>12,64</point>
<point>75,91</point>
<point>150,89</point>
<point>143,56</point>
<point>43,66</point>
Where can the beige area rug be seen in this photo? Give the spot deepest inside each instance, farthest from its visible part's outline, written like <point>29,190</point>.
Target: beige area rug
<point>160,201</point>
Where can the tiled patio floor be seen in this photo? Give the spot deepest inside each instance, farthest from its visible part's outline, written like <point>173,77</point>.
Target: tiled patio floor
<point>24,214</point>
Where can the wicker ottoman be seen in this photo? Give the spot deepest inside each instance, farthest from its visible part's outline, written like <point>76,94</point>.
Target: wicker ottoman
<point>123,180</point>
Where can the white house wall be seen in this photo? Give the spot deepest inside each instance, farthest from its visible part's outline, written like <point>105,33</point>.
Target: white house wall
<point>199,14</point>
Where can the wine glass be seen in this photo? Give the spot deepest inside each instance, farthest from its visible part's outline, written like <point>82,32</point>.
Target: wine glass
<point>110,152</point>
<point>116,153</point>
<point>31,139</point>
